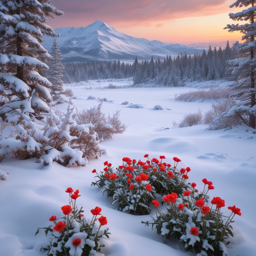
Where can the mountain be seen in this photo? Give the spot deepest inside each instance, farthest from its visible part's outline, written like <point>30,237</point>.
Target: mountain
<point>99,41</point>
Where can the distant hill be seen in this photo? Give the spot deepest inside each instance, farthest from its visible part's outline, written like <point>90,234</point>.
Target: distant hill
<point>101,42</point>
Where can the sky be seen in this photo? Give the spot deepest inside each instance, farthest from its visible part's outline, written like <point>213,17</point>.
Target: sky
<point>171,21</point>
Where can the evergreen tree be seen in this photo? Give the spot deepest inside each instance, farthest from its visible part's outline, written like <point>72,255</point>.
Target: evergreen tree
<point>22,55</point>
<point>55,73</point>
<point>245,67</point>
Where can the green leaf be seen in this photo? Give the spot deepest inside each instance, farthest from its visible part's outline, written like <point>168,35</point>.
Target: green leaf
<point>37,232</point>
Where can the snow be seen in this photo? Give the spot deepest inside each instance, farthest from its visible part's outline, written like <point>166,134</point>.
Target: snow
<point>227,158</point>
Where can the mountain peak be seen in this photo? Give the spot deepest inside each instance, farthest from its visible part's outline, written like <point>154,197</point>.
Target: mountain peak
<point>97,24</point>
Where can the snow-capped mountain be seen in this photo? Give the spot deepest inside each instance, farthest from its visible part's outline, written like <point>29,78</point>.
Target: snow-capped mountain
<point>99,41</point>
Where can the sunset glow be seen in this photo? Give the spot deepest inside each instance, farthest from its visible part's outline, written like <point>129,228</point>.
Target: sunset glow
<point>170,21</point>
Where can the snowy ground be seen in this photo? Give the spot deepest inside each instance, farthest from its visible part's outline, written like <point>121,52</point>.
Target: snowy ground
<point>31,194</point>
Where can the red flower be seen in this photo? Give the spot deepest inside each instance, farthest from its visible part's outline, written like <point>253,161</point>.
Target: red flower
<point>76,192</point>
<point>210,187</point>
<point>94,170</point>
<point>176,159</point>
<point>144,176</point>
<point>112,176</point>
<point>205,181</point>
<point>75,196</point>
<point>102,220</point>
<point>154,169</point>
<point>148,187</point>
<point>109,165</point>
<point>182,170</point>
<point>148,162</point>
<point>121,166</point>
<point>188,169</point>
<point>105,169</point>
<point>128,181</point>
<point>181,206</point>
<point>138,179</point>
<point>186,193</point>
<point>81,215</point>
<point>129,168</point>
<point>131,187</point>
<point>193,184</point>
<point>184,176</point>
<point>186,205</point>
<point>107,175</point>
<point>106,163</point>
<point>194,231</point>
<point>155,203</point>
<point>66,209</point>
<point>117,177</point>
<point>235,210</point>
<point>170,174</point>
<point>154,160</point>
<point>200,203</point>
<point>209,183</point>
<point>146,155</point>
<point>170,198</point>
<point>218,201</point>
<point>76,242</point>
<point>59,226</point>
<point>168,165</point>
<point>162,157</point>
<point>52,218</point>
<point>145,167</point>
<point>96,211</point>
<point>205,209</point>
<point>162,168</point>
<point>69,190</point>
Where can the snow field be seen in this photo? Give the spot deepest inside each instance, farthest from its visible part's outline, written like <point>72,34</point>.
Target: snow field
<point>31,195</point>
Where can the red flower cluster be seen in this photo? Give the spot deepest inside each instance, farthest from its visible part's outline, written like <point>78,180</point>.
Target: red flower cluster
<point>129,168</point>
<point>193,184</point>
<point>200,203</point>
<point>131,187</point>
<point>187,193</point>
<point>235,210</point>
<point>94,170</point>
<point>146,155</point>
<point>170,174</point>
<point>75,195</point>
<point>162,157</point>
<point>181,206</point>
<point>144,176</point>
<point>69,190</point>
<point>148,187</point>
<point>218,201</point>
<point>176,159</point>
<point>155,203</point>
<point>96,211</point>
<point>170,198</point>
<point>138,179</point>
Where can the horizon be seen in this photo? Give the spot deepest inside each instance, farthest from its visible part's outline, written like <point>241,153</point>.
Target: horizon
<point>184,23</point>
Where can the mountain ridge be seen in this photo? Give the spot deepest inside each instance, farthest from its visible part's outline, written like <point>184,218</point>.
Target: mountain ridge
<point>100,42</point>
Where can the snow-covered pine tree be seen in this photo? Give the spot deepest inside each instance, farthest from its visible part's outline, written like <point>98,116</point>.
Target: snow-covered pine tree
<point>245,67</point>
<point>22,55</point>
<point>55,73</point>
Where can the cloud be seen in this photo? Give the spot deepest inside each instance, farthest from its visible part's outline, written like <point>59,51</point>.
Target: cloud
<point>133,12</point>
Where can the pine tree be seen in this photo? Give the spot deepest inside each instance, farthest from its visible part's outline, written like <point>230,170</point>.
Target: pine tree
<point>246,66</point>
<point>55,73</point>
<point>22,56</point>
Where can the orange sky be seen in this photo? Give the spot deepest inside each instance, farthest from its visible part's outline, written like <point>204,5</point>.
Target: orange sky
<point>173,21</point>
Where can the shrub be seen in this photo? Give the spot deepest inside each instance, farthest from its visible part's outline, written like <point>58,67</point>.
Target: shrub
<point>104,126</point>
<point>192,219</point>
<point>201,95</point>
<point>134,183</point>
<point>73,234</point>
<point>192,119</point>
<point>215,116</point>
<point>69,93</point>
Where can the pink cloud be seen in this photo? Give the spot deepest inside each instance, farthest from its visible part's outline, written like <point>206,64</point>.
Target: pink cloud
<point>133,12</point>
